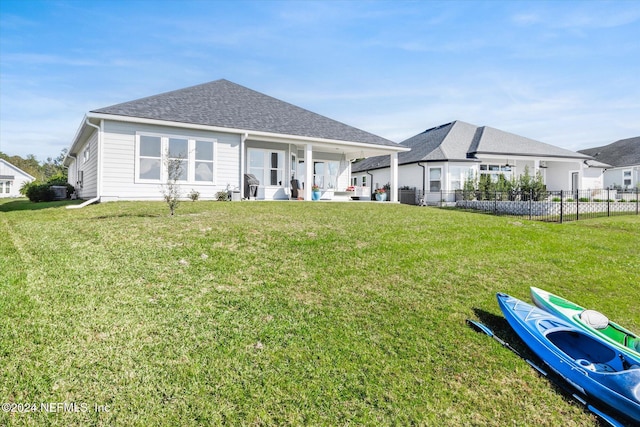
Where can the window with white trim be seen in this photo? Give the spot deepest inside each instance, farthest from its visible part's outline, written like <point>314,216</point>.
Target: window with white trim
<point>179,156</point>
<point>5,187</point>
<point>149,157</point>
<point>325,174</point>
<point>494,170</point>
<point>435,179</point>
<point>204,161</point>
<point>458,175</point>
<point>266,165</point>
<point>196,157</point>
<point>626,178</point>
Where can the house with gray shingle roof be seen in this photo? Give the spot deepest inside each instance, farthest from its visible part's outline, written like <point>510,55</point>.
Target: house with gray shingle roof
<point>624,158</point>
<point>219,131</point>
<point>443,157</point>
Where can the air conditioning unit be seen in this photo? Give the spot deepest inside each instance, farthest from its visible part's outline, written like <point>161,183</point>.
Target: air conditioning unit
<point>59,192</point>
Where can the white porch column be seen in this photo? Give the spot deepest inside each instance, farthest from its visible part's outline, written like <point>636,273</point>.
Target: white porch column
<point>308,171</point>
<point>393,197</point>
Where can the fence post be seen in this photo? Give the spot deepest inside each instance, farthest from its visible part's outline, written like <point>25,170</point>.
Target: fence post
<point>637,201</point>
<point>561,205</point>
<point>577,205</point>
<point>608,203</point>
<point>530,202</point>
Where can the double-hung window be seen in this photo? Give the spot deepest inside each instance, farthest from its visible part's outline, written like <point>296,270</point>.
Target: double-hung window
<point>149,158</point>
<point>5,187</point>
<point>626,178</point>
<point>179,159</point>
<point>435,179</point>
<point>204,161</point>
<point>192,160</point>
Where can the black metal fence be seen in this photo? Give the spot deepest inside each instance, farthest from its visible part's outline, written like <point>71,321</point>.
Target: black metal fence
<point>554,206</point>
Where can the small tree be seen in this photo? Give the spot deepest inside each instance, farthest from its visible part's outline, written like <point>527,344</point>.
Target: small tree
<point>171,191</point>
<point>469,188</point>
<point>486,187</point>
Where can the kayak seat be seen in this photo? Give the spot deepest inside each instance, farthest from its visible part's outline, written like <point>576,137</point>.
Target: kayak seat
<point>595,319</point>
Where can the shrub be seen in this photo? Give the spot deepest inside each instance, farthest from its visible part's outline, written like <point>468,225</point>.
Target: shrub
<point>194,195</point>
<point>583,199</point>
<point>556,199</point>
<point>223,196</point>
<point>40,192</point>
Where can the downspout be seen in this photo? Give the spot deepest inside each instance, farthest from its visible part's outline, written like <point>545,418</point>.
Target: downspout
<point>243,139</point>
<point>75,162</point>
<point>370,184</point>
<point>424,176</point>
<point>99,167</point>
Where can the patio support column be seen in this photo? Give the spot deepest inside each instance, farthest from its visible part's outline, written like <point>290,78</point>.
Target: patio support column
<point>308,170</point>
<point>393,197</point>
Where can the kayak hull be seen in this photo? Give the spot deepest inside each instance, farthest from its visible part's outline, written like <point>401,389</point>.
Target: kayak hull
<point>625,340</point>
<point>591,366</point>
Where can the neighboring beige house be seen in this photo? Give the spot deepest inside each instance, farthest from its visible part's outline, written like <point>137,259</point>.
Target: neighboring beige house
<point>11,179</point>
<point>624,158</point>
<point>441,159</point>
<point>221,131</point>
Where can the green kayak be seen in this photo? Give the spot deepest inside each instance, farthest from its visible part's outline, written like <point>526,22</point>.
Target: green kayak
<point>591,321</point>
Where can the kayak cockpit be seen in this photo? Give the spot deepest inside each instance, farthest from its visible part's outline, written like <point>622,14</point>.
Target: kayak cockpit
<point>587,351</point>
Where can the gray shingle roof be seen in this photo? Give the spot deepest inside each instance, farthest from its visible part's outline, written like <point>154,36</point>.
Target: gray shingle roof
<point>460,141</point>
<point>625,152</point>
<point>222,103</point>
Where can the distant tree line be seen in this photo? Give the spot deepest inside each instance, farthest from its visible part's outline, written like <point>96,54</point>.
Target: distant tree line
<point>41,171</point>
<point>48,173</point>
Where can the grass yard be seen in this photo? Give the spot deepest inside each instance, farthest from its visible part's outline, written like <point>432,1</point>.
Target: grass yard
<point>289,313</point>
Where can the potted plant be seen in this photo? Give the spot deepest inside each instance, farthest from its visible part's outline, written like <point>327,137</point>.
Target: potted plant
<point>381,194</point>
<point>315,192</point>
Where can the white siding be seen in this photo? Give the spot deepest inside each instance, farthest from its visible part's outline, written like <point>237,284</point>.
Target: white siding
<point>410,176</point>
<point>119,162</point>
<point>592,178</point>
<point>89,168</point>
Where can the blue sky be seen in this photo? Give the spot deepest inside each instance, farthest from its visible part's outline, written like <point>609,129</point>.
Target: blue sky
<point>564,73</point>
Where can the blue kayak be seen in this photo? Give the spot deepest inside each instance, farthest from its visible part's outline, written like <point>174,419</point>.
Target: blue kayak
<point>592,366</point>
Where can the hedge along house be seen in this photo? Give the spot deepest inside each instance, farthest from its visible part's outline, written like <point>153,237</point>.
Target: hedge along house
<point>12,178</point>
<point>220,131</point>
<point>443,157</point>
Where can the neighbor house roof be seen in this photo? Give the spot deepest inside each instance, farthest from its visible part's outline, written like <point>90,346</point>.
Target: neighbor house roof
<point>7,170</point>
<point>625,152</point>
<point>460,141</point>
<point>222,103</point>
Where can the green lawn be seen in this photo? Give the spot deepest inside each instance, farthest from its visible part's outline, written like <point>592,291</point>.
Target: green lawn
<point>291,313</point>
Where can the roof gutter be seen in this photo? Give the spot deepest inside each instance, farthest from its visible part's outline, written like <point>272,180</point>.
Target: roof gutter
<point>261,135</point>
